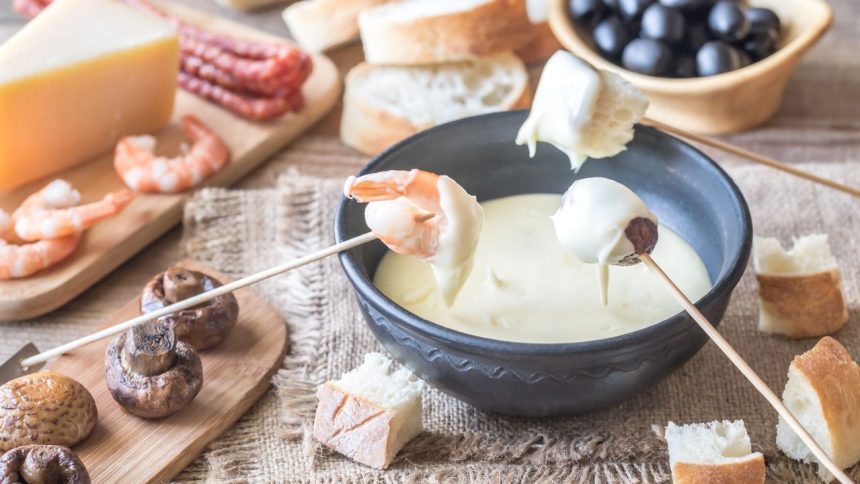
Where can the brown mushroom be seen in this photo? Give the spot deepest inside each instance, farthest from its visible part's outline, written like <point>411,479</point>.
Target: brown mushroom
<point>151,374</point>
<point>202,326</point>
<point>642,233</point>
<point>45,408</point>
<point>42,464</point>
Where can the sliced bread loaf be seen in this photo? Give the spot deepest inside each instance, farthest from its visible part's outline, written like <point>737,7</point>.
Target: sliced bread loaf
<point>543,42</point>
<point>412,32</point>
<point>800,293</point>
<point>371,412</point>
<point>713,453</point>
<point>823,392</point>
<point>384,104</point>
<point>318,25</point>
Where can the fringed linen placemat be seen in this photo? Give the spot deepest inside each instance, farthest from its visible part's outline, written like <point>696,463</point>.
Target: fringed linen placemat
<point>239,232</point>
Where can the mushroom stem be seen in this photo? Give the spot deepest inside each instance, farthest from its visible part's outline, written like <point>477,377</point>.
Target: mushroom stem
<point>150,349</point>
<point>180,283</point>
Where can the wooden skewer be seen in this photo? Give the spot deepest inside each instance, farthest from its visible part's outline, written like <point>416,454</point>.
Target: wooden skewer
<point>747,371</point>
<point>199,298</point>
<point>744,153</point>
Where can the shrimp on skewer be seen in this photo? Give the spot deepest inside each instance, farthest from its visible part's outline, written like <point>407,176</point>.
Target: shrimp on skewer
<point>18,261</point>
<point>424,215</point>
<point>53,212</point>
<point>141,170</point>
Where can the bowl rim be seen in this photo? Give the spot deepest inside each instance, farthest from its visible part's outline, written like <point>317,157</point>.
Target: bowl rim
<point>563,29</point>
<point>413,323</point>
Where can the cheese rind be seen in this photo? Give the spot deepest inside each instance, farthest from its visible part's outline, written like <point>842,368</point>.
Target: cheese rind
<point>75,80</point>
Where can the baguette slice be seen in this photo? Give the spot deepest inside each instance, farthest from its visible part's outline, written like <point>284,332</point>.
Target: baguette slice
<point>823,392</point>
<point>370,413</point>
<point>413,32</point>
<point>800,294</point>
<point>713,453</point>
<point>543,42</point>
<point>541,46</point>
<point>385,104</point>
<point>318,25</point>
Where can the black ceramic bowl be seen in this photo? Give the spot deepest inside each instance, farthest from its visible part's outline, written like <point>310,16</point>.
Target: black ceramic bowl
<point>689,193</point>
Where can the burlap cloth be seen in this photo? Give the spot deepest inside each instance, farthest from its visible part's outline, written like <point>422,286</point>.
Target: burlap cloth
<point>239,232</point>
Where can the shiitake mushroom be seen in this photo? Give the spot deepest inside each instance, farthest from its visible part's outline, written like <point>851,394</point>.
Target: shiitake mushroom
<point>42,464</point>
<point>150,373</point>
<point>202,326</point>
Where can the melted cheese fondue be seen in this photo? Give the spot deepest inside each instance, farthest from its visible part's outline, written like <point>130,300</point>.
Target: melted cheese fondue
<point>525,287</point>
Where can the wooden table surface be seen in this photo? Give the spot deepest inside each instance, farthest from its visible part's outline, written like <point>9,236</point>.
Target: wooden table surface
<point>819,121</point>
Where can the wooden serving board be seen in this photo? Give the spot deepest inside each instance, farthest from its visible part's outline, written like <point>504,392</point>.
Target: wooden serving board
<point>109,244</point>
<point>236,373</point>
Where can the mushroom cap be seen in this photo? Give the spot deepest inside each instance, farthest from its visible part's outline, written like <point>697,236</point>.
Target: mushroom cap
<point>45,408</point>
<point>42,464</point>
<point>157,395</point>
<point>202,326</point>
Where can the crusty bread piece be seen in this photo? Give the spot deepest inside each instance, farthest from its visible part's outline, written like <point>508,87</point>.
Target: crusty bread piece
<point>542,45</point>
<point>800,294</point>
<point>610,126</point>
<point>384,104</point>
<point>370,413</point>
<point>713,453</point>
<point>318,25</point>
<point>413,32</point>
<point>823,392</point>
<point>543,42</point>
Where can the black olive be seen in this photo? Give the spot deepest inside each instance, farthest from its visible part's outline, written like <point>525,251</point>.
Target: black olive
<point>631,10</point>
<point>687,5</point>
<point>728,21</point>
<point>761,44</point>
<point>744,57</point>
<point>663,23</point>
<point>647,56</point>
<point>611,36</point>
<point>695,37</point>
<point>717,57</point>
<point>586,12</point>
<point>685,66</point>
<point>762,19</point>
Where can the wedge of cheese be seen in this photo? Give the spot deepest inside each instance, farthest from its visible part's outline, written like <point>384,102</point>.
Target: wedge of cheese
<point>77,78</point>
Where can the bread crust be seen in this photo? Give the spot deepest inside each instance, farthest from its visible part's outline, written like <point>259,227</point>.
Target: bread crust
<point>748,471</point>
<point>835,378</point>
<point>318,25</point>
<point>542,45</point>
<point>357,428</point>
<point>801,306</point>
<point>494,26</point>
<point>371,129</point>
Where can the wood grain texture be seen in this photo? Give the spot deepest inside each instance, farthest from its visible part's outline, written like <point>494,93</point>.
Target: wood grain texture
<point>149,216</point>
<point>125,448</point>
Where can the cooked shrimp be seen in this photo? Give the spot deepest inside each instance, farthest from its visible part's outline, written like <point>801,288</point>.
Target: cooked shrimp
<point>424,215</point>
<point>18,261</point>
<point>141,170</point>
<point>54,212</point>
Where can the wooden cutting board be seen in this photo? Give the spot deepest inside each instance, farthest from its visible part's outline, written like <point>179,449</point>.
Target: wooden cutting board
<point>109,244</point>
<point>236,373</point>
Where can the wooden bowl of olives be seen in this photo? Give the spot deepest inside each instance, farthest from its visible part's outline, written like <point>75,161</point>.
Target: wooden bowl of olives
<point>709,66</point>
